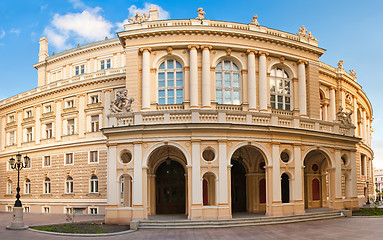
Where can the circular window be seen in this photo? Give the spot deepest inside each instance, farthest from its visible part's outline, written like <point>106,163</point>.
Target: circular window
<point>262,166</point>
<point>126,157</point>
<point>285,157</point>
<point>208,154</point>
<point>315,167</point>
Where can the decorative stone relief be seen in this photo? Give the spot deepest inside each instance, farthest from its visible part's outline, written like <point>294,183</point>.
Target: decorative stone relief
<point>343,117</point>
<point>201,14</point>
<point>302,32</point>
<point>139,18</point>
<point>122,103</point>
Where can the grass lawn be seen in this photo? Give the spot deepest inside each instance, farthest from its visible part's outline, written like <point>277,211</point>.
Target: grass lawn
<point>82,228</point>
<point>368,212</point>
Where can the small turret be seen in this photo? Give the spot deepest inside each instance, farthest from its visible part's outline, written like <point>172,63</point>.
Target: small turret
<point>153,14</point>
<point>43,54</point>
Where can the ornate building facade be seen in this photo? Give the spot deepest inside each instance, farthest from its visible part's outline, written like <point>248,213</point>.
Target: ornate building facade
<point>196,117</point>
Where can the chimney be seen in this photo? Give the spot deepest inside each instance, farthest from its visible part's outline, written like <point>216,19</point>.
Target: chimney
<point>153,14</point>
<point>43,54</point>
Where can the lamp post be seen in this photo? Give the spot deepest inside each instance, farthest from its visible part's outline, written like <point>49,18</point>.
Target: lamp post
<point>17,220</point>
<point>368,197</point>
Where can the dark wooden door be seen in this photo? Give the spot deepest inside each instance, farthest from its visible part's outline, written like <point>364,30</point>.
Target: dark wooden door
<point>170,188</point>
<point>238,187</point>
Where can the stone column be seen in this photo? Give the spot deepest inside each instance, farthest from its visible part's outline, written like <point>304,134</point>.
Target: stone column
<point>137,183</point>
<point>81,116</point>
<point>298,181</point>
<point>364,130</point>
<point>107,103</point>
<point>145,78</point>
<point>3,137</point>
<point>193,77</point>
<point>206,77</point>
<point>276,172</point>
<point>263,81</point>
<point>302,87</point>
<point>38,124</point>
<point>343,100</point>
<point>222,168</point>
<point>325,112</point>
<point>19,132</point>
<point>251,80</point>
<point>196,211</point>
<point>112,183</point>
<point>58,120</point>
<point>338,178</point>
<point>332,104</point>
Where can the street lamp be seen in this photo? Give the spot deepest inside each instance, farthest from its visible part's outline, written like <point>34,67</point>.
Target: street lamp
<point>17,220</point>
<point>368,197</point>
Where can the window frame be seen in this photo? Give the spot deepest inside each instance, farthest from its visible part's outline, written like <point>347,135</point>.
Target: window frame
<point>27,186</point>
<point>167,89</point>
<point>94,184</point>
<point>232,89</point>
<point>276,94</point>
<point>69,185</point>
<point>47,186</point>
<point>91,153</point>
<point>94,125</point>
<point>44,161</point>
<point>66,159</point>
<point>79,69</point>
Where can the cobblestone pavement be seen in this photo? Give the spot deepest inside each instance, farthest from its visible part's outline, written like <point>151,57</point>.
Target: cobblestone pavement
<point>341,228</point>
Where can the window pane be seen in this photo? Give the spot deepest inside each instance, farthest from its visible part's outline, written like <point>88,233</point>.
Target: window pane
<point>235,80</point>
<point>218,94</point>
<point>171,93</point>
<point>287,87</point>
<point>227,97</point>
<point>219,66</point>
<point>280,86</point>
<point>235,67</point>
<point>227,80</point>
<point>178,65</point>
<point>161,93</point>
<point>287,107</point>
<point>179,75</point>
<point>170,83</point>
<point>280,99</point>
<point>236,99</point>
<point>272,98</point>
<point>287,100</point>
<point>170,100</point>
<point>272,86</point>
<point>180,83</point>
<point>180,100</point>
<point>280,106</point>
<point>180,92</point>
<point>161,83</point>
<point>161,101</point>
<point>226,65</point>
<point>170,64</point>
<point>218,79</point>
<point>170,75</point>
<point>162,66</point>
<point>161,76</point>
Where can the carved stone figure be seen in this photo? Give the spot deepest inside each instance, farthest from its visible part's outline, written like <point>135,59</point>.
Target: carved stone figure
<point>302,31</point>
<point>122,103</point>
<point>343,117</point>
<point>340,64</point>
<point>201,14</point>
<point>254,21</point>
<point>138,18</point>
<point>353,73</point>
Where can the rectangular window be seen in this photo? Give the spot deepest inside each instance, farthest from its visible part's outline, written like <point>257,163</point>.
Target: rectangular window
<point>105,64</point>
<point>27,189</point>
<point>69,103</point>
<point>69,158</point>
<point>11,118</point>
<point>93,157</point>
<point>46,209</point>
<point>9,187</point>
<point>29,135</point>
<point>93,99</point>
<point>48,108</point>
<point>362,165</point>
<point>69,186</point>
<point>28,114</point>
<point>93,210</point>
<point>94,125</point>
<point>47,161</point>
<point>26,209</point>
<point>69,210</point>
<point>11,139</point>
<point>70,127</point>
<point>47,186</point>
<point>48,130</point>
<point>28,164</point>
<point>9,208</point>
<point>79,69</point>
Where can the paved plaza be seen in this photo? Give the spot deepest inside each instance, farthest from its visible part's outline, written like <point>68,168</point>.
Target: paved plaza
<point>344,228</point>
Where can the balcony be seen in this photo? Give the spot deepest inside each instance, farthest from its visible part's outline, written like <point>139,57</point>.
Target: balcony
<point>276,118</point>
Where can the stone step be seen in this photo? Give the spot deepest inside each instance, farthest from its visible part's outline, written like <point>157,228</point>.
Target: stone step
<point>237,222</point>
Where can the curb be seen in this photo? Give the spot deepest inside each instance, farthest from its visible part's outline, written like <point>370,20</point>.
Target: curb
<point>82,234</point>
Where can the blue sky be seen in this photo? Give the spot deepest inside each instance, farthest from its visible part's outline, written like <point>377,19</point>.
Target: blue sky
<point>349,30</point>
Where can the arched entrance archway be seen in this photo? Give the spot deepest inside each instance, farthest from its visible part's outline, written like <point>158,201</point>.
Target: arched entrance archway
<point>167,181</point>
<point>248,180</point>
<point>316,179</point>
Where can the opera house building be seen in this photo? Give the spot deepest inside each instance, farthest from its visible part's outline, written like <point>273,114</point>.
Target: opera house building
<point>194,116</point>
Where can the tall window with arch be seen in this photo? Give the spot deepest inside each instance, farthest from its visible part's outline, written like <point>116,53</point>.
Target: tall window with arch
<point>170,82</point>
<point>227,83</point>
<point>280,89</point>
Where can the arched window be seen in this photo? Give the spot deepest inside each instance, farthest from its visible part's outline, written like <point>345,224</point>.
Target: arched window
<point>27,189</point>
<point>321,105</point>
<point>69,185</point>
<point>9,187</point>
<point>280,89</point>
<point>208,189</point>
<point>126,190</point>
<point>170,83</point>
<point>227,83</point>
<point>94,184</point>
<point>47,186</point>
<point>285,187</point>
<point>316,189</point>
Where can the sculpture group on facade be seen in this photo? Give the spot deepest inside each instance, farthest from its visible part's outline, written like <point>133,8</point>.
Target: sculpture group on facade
<point>343,117</point>
<point>122,102</point>
<point>254,21</point>
<point>340,65</point>
<point>302,32</point>
<point>201,14</point>
<point>139,18</point>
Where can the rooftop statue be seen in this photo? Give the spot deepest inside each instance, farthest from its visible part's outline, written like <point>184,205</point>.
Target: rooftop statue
<point>353,73</point>
<point>201,14</point>
<point>304,33</point>
<point>254,21</point>
<point>122,103</point>
<point>340,65</point>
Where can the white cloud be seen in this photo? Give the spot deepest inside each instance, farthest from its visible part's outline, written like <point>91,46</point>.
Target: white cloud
<point>15,31</point>
<point>70,29</point>
<point>133,9</point>
<point>2,34</point>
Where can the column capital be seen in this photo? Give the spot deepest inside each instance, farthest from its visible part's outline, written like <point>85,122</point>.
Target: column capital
<point>111,144</point>
<point>79,96</point>
<point>300,61</point>
<point>193,46</point>
<point>142,50</point>
<point>294,79</point>
<point>244,71</point>
<point>209,47</point>
<point>251,51</point>
<point>332,88</point>
<point>187,68</point>
<point>260,53</point>
<point>38,105</point>
<point>107,90</point>
<point>57,100</point>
